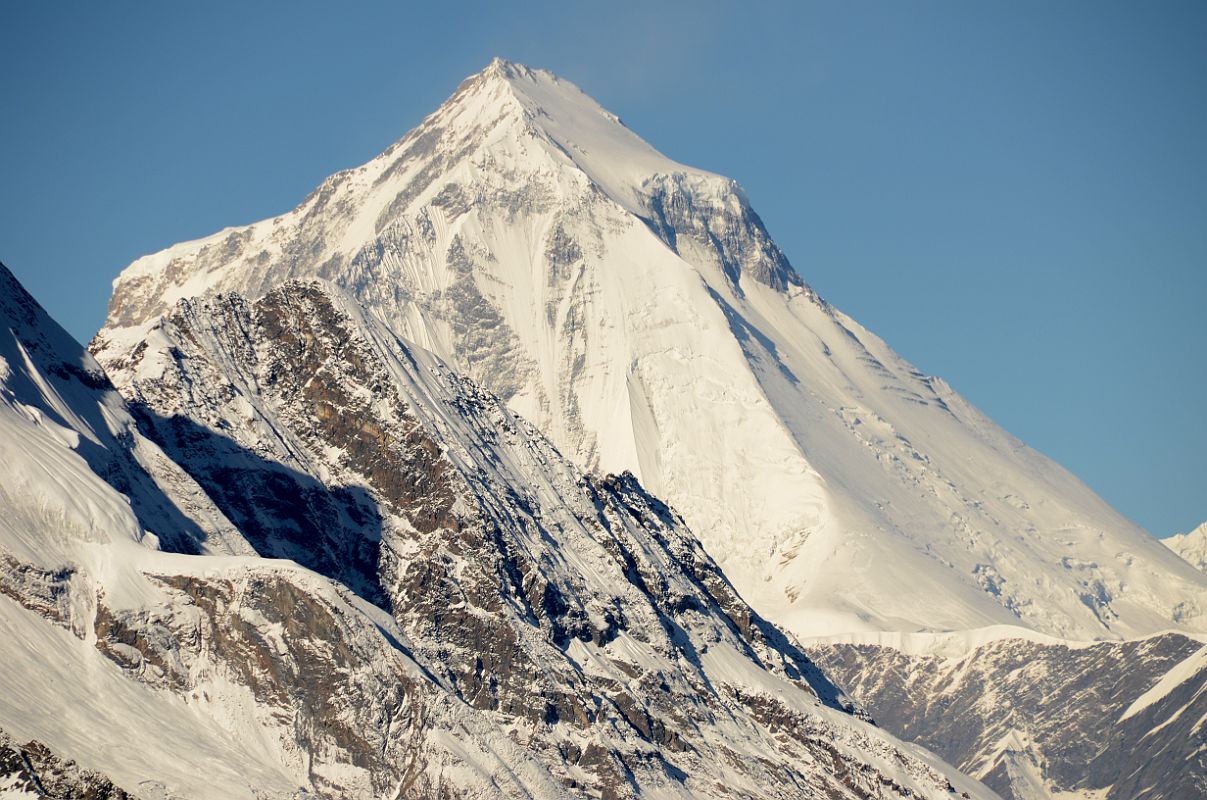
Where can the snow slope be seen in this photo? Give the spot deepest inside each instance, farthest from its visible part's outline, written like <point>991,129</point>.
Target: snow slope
<point>1192,547</point>
<point>65,531</point>
<point>538,633</point>
<point>638,313</point>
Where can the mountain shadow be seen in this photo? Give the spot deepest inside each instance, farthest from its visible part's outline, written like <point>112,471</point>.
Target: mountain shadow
<point>281,512</point>
<point>48,370</point>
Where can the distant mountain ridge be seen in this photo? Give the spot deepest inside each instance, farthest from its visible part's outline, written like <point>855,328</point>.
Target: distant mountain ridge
<point>1036,719</point>
<point>1192,546</point>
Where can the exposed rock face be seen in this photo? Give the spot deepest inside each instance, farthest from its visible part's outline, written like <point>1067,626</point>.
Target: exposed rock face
<point>703,225</point>
<point>475,617</point>
<point>352,713</point>
<point>1118,720</point>
<point>32,770</point>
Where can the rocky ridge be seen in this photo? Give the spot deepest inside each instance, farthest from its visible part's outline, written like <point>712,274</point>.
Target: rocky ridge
<point>1037,719</point>
<point>471,616</point>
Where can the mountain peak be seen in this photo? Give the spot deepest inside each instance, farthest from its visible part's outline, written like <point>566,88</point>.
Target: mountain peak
<point>507,70</point>
<point>526,83</point>
<point>594,139</point>
<point>508,135</point>
<point>498,74</point>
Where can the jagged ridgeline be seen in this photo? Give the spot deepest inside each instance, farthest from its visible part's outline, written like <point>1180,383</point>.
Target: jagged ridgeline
<point>377,581</point>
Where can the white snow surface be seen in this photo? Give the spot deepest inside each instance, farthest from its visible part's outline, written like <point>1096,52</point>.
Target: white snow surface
<point>1192,546</point>
<point>635,310</point>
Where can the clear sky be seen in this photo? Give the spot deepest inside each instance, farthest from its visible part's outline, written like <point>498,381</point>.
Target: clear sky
<point>1014,196</point>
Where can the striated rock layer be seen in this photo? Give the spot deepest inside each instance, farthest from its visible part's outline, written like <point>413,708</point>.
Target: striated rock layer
<point>1034,718</point>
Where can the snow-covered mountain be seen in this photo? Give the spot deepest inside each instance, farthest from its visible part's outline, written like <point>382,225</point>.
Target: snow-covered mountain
<point>638,313</point>
<point>473,616</point>
<point>1192,547</point>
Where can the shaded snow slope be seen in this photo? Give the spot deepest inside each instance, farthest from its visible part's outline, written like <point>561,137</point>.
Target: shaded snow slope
<point>55,395</point>
<point>1192,547</point>
<point>638,313</point>
<point>514,629</point>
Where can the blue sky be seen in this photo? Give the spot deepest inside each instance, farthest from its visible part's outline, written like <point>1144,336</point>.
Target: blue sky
<point>1013,196</point>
